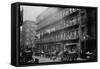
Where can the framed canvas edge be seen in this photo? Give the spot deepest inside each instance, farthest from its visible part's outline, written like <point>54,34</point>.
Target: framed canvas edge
<point>17,29</point>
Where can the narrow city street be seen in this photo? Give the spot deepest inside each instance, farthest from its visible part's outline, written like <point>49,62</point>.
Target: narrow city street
<point>43,59</point>
<point>58,35</point>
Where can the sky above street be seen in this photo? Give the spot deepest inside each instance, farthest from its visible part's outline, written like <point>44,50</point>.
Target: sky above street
<point>31,12</point>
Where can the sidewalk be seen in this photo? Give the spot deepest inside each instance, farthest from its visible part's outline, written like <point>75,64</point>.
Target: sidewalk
<point>43,59</point>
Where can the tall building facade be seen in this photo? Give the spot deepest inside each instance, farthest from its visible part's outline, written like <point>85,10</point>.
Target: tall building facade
<point>27,33</point>
<point>63,30</point>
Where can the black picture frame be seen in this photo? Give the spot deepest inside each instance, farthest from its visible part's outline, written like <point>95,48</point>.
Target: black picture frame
<point>15,32</point>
